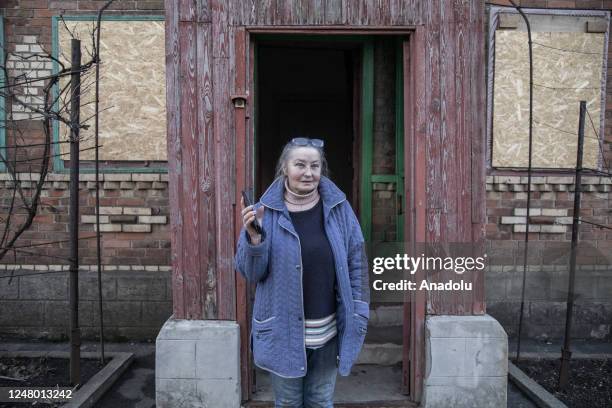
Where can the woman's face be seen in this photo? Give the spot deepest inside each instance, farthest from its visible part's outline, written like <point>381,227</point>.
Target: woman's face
<point>303,169</point>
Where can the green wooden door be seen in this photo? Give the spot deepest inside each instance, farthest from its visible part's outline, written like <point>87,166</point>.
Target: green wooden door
<point>368,177</point>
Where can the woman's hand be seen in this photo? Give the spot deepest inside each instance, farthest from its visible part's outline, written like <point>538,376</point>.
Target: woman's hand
<point>248,216</point>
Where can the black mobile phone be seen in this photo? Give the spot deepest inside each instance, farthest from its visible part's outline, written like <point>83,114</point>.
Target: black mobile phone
<point>247,202</point>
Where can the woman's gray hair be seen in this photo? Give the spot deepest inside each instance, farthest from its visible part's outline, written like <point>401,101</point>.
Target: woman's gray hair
<point>284,157</point>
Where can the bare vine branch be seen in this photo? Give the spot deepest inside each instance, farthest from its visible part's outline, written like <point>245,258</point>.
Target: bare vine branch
<point>26,109</point>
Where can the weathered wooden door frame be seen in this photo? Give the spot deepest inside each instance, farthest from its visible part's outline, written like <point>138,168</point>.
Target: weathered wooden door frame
<point>415,118</point>
<point>414,174</point>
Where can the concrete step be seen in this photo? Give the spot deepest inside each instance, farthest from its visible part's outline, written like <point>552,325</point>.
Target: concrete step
<point>368,386</point>
<point>385,334</point>
<point>383,342</point>
<point>385,315</point>
<point>383,354</point>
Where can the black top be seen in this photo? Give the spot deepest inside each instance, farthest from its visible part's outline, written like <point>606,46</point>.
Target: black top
<point>319,272</point>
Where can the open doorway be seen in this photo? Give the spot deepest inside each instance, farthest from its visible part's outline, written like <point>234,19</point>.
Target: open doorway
<point>306,90</point>
<point>348,92</point>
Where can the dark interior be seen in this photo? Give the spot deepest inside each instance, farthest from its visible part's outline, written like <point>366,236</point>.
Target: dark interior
<point>306,91</point>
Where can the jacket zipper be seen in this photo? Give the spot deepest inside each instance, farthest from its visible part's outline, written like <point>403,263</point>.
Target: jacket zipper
<point>303,316</point>
<point>341,338</point>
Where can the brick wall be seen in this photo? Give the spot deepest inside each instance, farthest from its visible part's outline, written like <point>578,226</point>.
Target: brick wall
<point>134,211</point>
<point>133,216</point>
<point>548,257</point>
<point>135,256</point>
<point>384,107</point>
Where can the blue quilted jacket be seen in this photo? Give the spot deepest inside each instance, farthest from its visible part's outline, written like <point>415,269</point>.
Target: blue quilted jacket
<point>277,334</point>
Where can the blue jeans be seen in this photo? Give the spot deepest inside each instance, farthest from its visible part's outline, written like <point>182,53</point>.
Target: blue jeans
<point>316,389</point>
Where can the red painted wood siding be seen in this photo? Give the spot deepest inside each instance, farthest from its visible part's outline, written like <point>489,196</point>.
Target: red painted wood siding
<point>325,12</point>
<point>201,69</point>
<point>454,102</point>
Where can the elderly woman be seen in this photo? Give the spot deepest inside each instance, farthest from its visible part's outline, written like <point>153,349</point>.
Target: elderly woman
<point>311,303</point>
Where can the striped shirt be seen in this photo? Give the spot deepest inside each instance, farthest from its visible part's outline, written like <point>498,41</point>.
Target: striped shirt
<point>320,331</point>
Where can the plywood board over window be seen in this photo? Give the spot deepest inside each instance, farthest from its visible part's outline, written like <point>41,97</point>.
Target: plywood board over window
<point>567,68</point>
<point>132,88</point>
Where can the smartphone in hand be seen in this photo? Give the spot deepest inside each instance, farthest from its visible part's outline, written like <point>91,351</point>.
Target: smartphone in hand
<point>247,202</point>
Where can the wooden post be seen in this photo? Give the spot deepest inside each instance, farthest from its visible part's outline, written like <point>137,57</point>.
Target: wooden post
<point>566,353</point>
<point>75,107</point>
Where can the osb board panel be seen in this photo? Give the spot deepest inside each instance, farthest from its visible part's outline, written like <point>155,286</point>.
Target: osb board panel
<point>561,80</point>
<point>132,89</point>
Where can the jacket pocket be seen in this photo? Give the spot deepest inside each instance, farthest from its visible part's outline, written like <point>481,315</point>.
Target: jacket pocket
<point>265,321</point>
<point>263,341</point>
<point>358,321</point>
<point>361,314</point>
<point>361,308</point>
<point>360,324</point>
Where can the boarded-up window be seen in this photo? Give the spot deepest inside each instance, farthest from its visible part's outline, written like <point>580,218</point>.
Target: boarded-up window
<point>568,66</point>
<point>132,88</point>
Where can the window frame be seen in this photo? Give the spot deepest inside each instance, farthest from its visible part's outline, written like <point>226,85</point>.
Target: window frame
<point>105,166</point>
<point>493,24</point>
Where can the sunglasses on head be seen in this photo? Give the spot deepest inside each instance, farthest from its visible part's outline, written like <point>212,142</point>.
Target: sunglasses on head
<point>304,141</point>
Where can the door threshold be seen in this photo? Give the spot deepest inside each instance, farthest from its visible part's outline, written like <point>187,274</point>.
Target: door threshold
<point>368,386</point>
<point>365,404</point>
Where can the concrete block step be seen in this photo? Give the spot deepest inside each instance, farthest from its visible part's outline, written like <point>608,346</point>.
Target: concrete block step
<point>384,354</point>
<point>382,345</point>
<point>386,315</point>
<point>386,334</point>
